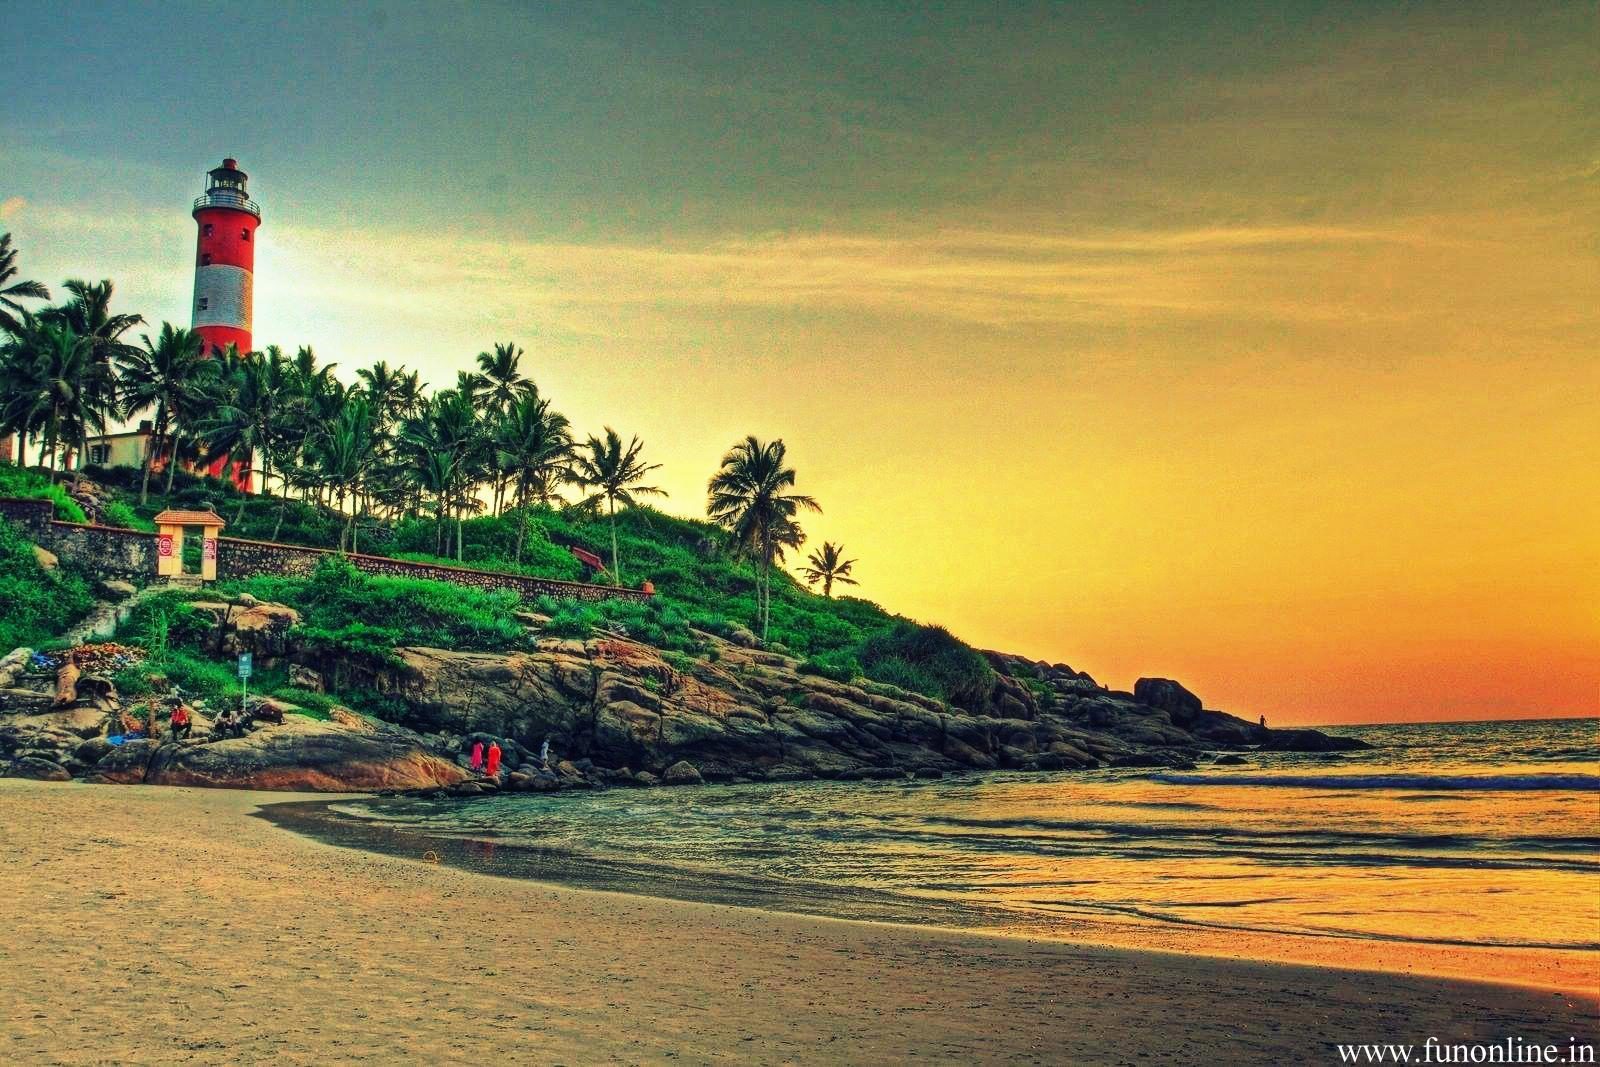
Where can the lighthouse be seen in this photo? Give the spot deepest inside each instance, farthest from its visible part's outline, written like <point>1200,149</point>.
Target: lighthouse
<point>224,259</point>
<point>224,274</point>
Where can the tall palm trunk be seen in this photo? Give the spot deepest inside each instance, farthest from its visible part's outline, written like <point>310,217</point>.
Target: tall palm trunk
<point>616,564</point>
<point>172,460</point>
<point>150,451</point>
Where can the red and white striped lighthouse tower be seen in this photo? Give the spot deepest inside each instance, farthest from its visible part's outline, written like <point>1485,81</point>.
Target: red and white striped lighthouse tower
<point>224,259</point>
<point>224,275</point>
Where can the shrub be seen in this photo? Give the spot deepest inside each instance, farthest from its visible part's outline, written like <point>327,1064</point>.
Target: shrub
<point>345,608</point>
<point>574,619</point>
<point>37,604</point>
<point>839,666</point>
<point>928,660</point>
<point>24,484</point>
<point>116,513</point>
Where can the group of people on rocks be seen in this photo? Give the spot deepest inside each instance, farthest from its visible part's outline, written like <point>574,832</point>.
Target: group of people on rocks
<point>486,761</point>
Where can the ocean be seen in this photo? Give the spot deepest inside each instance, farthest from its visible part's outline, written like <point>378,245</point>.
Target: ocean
<point>1463,834</point>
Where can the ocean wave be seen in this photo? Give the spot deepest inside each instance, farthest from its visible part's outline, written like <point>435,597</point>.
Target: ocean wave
<point>1500,782</point>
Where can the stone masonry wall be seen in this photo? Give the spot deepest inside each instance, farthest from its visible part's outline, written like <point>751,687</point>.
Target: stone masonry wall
<point>238,558</point>
<point>122,553</point>
<point>33,517</point>
<point>107,550</point>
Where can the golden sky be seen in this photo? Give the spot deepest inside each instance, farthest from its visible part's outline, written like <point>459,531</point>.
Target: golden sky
<point>1258,350</point>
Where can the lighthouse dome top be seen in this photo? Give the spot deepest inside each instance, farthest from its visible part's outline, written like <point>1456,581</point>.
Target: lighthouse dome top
<point>225,188</point>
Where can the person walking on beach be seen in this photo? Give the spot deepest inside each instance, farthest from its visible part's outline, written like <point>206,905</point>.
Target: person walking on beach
<point>493,768</point>
<point>477,756</point>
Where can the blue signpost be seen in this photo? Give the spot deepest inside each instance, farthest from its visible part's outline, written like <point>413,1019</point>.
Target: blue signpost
<point>246,665</point>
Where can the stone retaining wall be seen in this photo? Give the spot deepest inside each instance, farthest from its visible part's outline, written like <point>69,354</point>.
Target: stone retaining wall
<point>33,517</point>
<point>113,551</point>
<point>239,558</point>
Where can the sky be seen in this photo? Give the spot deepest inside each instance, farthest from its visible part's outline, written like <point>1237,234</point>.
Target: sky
<point>1256,346</point>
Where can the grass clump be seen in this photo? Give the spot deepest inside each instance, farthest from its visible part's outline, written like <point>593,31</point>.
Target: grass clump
<point>24,484</point>
<point>37,604</point>
<point>366,614</point>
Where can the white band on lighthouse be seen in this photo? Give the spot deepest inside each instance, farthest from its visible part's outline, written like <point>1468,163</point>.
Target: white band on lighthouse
<point>222,296</point>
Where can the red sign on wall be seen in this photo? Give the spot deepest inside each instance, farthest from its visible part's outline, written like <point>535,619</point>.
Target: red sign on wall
<point>164,545</point>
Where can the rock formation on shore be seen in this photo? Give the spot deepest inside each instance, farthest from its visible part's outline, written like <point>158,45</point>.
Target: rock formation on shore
<point>615,711</point>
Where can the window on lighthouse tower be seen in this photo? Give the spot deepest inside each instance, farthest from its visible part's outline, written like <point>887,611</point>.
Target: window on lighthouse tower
<point>205,229</point>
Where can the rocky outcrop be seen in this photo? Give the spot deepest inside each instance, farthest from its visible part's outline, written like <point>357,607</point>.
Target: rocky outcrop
<point>744,713</point>
<point>304,754</point>
<point>1169,696</point>
<point>1309,741</point>
<point>613,712</point>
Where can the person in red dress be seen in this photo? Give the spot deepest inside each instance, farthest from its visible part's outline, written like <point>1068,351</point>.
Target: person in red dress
<point>477,756</point>
<point>494,759</point>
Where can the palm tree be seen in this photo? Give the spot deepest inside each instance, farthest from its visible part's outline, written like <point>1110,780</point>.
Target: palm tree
<point>345,455</point>
<point>532,443</point>
<point>749,499</point>
<point>443,446</point>
<point>613,472</point>
<point>12,291</point>
<point>22,384</point>
<point>501,374</point>
<point>168,374</point>
<point>828,566</point>
<point>62,409</point>
<point>244,412</point>
<point>88,315</point>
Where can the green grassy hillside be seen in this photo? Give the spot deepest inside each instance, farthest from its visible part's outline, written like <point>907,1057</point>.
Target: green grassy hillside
<point>701,585</point>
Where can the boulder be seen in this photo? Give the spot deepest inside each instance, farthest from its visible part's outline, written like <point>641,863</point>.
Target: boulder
<point>349,754</point>
<point>66,685</point>
<point>305,678</point>
<point>47,559</point>
<point>39,769</point>
<point>1169,696</point>
<point>126,764</point>
<point>682,773</point>
<point>1309,741</point>
<point>116,589</point>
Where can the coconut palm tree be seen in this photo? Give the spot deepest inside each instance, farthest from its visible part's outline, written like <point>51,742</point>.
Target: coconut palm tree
<point>244,412</point>
<point>345,456</point>
<point>828,565</point>
<point>63,408</point>
<point>443,448</point>
<point>612,472</point>
<point>532,444</point>
<point>22,384</point>
<point>501,374</point>
<point>168,374</point>
<point>12,291</point>
<point>749,497</point>
<point>88,315</point>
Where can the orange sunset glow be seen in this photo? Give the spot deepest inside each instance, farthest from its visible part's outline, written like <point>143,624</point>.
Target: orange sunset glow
<point>1274,371</point>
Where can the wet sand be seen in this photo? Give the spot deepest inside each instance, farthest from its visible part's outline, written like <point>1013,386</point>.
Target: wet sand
<point>153,925</point>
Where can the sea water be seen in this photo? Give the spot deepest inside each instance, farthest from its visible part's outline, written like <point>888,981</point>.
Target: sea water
<point>1466,834</point>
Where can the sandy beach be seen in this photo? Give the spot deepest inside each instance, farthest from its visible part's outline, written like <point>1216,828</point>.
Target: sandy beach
<point>149,925</point>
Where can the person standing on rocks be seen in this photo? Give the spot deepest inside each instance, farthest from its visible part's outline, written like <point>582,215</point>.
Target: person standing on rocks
<point>493,769</point>
<point>544,752</point>
<point>477,756</point>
